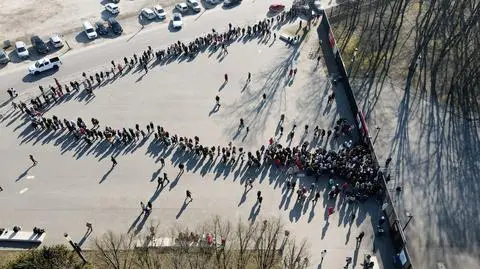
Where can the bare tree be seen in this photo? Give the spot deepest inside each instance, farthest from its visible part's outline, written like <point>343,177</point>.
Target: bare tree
<point>113,250</point>
<point>245,245</point>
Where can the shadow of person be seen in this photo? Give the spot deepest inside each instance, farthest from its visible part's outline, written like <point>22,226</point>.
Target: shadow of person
<point>22,175</point>
<point>347,238</point>
<point>142,223</point>
<point>175,181</point>
<point>222,86</point>
<point>254,212</point>
<point>243,198</point>
<point>214,110</point>
<point>135,222</point>
<point>106,175</point>
<point>324,229</point>
<point>184,206</point>
<point>155,174</point>
<point>312,213</point>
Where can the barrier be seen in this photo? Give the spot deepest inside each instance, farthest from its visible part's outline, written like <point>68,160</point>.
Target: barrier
<point>402,258</point>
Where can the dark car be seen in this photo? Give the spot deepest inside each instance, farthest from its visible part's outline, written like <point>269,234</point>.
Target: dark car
<point>115,26</point>
<point>39,45</point>
<point>101,28</point>
<point>231,3</point>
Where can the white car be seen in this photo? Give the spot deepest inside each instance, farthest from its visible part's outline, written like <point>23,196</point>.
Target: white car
<point>148,13</point>
<point>194,5</point>
<point>177,20</point>
<point>56,41</point>
<point>112,8</point>
<point>160,12</point>
<point>182,7</point>
<point>21,49</point>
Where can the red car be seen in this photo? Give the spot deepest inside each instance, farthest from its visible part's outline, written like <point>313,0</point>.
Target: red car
<point>276,8</point>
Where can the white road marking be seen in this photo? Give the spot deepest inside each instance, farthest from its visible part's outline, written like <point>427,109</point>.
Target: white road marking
<point>23,190</point>
<point>30,177</point>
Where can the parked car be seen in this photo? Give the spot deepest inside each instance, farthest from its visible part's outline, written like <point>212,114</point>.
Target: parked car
<point>275,8</point>
<point>194,5</point>
<point>148,13</point>
<point>115,26</point>
<point>89,30</point>
<point>44,65</point>
<point>4,57</point>
<point>112,8</point>
<point>231,3</point>
<point>39,45</point>
<point>182,7</point>
<point>56,41</point>
<point>213,2</point>
<point>160,12</point>
<point>177,21</point>
<point>21,50</point>
<point>101,28</point>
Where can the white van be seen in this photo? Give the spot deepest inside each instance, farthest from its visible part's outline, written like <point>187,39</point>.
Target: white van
<point>89,30</point>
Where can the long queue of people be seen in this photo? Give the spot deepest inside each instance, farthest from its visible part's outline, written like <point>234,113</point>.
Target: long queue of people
<point>352,162</point>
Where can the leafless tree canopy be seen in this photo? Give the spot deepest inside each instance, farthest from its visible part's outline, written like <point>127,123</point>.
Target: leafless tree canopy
<point>215,244</point>
<point>431,45</point>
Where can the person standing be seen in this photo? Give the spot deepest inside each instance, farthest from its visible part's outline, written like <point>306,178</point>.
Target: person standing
<point>249,78</point>
<point>181,167</point>
<point>165,178</point>
<point>317,196</point>
<point>388,161</point>
<point>189,195</point>
<point>226,77</point>
<point>323,254</point>
<point>162,161</point>
<point>359,238</point>
<point>89,227</point>
<point>33,160</point>
<point>260,199</point>
<point>160,183</point>
<point>114,161</point>
<point>217,100</point>
<point>249,183</point>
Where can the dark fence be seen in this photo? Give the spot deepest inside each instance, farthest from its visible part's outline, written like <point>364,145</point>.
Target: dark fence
<point>402,258</point>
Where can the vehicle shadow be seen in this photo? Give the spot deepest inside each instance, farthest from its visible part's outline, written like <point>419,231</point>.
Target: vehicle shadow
<point>14,57</point>
<point>33,78</point>
<point>81,37</point>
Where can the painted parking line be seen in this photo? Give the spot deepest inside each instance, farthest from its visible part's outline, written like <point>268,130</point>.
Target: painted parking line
<point>23,191</point>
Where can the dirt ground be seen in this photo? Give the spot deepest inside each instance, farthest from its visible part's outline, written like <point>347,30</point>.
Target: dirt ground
<point>21,19</point>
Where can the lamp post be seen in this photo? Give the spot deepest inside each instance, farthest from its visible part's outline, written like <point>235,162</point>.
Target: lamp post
<point>75,247</point>
<point>376,135</point>
<point>410,217</point>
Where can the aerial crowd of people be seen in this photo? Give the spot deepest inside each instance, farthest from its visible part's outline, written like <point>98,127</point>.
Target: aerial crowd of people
<point>352,162</point>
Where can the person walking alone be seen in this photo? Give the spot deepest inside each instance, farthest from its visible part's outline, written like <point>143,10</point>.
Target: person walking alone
<point>89,227</point>
<point>189,195</point>
<point>33,160</point>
